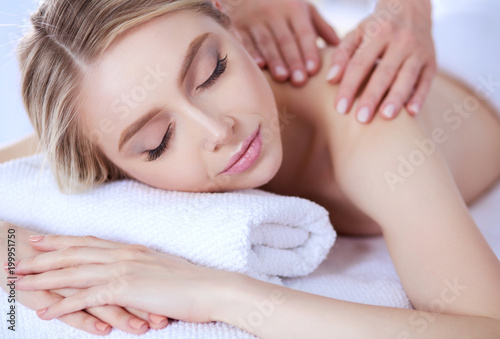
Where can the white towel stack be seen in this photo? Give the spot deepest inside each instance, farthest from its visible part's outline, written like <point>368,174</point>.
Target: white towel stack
<point>257,233</point>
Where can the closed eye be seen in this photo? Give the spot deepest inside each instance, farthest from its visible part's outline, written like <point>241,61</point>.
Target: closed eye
<point>219,70</point>
<point>157,152</point>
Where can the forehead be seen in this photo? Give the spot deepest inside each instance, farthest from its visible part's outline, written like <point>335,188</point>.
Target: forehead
<point>136,64</point>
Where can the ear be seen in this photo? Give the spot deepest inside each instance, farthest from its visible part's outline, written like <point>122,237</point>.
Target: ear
<point>217,4</point>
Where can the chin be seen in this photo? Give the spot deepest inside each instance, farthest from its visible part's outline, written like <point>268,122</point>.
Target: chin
<point>267,170</point>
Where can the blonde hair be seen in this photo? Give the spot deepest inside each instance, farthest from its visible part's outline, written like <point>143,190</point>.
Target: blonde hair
<point>66,37</point>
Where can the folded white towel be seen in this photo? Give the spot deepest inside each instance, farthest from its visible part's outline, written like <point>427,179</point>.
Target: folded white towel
<point>254,232</point>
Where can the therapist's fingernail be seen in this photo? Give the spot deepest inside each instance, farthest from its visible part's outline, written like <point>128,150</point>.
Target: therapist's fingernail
<point>298,76</point>
<point>389,111</point>
<point>280,71</point>
<point>364,114</point>
<point>415,108</point>
<point>35,238</point>
<point>136,323</point>
<point>259,61</point>
<point>310,65</point>
<point>342,106</point>
<point>101,326</point>
<point>333,72</point>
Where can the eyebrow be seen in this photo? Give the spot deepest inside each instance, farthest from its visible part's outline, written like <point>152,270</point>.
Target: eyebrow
<point>136,126</point>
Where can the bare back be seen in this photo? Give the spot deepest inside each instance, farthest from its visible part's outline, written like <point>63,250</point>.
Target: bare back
<point>459,125</point>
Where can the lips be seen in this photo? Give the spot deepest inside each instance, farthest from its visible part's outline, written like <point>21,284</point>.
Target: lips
<point>247,155</point>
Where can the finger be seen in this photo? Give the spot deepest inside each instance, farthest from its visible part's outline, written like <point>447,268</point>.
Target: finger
<point>417,100</point>
<point>116,316</point>
<point>251,49</point>
<point>75,277</point>
<point>54,242</point>
<point>264,41</point>
<point>289,50</point>
<point>379,83</point>
<point>155,321</point>
<point>92,297</point>
<point>120,318</point>
<point>342,54</point>
<point>402,87</point>
<point>79,319</point>
<point>325,31</point>
<point>358,68</point>
<point>73,256</point>
<point>306,38</point>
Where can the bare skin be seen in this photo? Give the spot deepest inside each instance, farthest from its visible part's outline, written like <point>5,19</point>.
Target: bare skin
<point>314,151</point>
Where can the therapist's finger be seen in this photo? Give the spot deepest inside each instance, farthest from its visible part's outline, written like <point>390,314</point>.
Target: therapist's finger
<point>402,87</point>
<point>417,100</point>
<point>323,28</point>
<point>290,51</point>
<point>342,54</point>
<point>265,43</point>
<point>358,68</point>
<point>247,41</point>
<point>306,39</point>
<point>380,81</point>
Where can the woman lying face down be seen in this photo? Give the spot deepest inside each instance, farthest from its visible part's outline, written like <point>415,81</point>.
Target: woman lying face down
<point>206,101</point>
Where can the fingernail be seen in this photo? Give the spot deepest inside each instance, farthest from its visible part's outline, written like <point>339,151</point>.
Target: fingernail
<point>136,323</point>
<point>35,238</point>
<point>281,71</point>
<point>156,319</point>
<point>333,72</point>
<point>259,61</point>
<point>415,108</point>
<point>298,76</point>
<point>364,114</point>
<point>41,311</point>
<point>310,65</point>
<point>342,106</point>
<point>389,111</point>
<point>101,326</point>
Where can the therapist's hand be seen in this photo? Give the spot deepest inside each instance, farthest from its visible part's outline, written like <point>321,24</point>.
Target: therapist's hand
<point>282,35</point>
<point>397,39</point>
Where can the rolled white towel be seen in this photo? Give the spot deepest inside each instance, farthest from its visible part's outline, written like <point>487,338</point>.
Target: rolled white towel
<point>254,232</point>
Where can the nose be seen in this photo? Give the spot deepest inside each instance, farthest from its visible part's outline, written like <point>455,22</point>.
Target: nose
<point>219,131</point>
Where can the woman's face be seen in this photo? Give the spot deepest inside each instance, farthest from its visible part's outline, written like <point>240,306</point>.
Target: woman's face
<point>175,101</point>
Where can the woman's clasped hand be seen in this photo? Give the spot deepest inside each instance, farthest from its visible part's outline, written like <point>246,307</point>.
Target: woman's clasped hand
<point>111,273</point>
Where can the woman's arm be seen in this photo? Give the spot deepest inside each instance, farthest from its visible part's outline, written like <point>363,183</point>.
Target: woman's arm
<point>26,146</point>
<point>180,290</point>
<point>92,320</point>
<point>447,269</point>
<point>433,241</point>
<point>271,311</point>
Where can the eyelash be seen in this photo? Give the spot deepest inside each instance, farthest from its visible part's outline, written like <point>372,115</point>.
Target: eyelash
<point>156,153</point>
<point>219,70</point>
